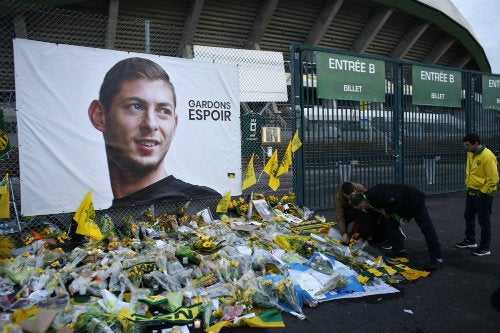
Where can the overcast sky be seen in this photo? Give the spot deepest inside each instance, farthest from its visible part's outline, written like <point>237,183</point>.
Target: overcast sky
<point>484,18</point>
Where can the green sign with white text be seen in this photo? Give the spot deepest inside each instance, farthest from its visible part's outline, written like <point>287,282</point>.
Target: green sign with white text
<point>350,78</point>
<point>437,87</point>
<point>491,92</point>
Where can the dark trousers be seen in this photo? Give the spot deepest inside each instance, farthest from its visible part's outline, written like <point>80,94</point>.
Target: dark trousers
<point>480,205</point>
<point>424,222</point>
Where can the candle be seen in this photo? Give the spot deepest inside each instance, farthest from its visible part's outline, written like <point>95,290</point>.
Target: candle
<point>185,260</point>
<point>197,323</point>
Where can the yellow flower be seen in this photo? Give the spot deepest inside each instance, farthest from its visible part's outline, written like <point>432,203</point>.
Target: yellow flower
<point>62,237</point>
<point>273,200</point>
<point>267,283</point>
<point>244,208</point>
<point>280,287</point>
<point>207,244</point>
<point>28,240</point>
<point>218,313</point>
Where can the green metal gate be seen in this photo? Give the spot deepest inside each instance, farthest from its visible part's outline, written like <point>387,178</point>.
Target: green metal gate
<point>394,141</point>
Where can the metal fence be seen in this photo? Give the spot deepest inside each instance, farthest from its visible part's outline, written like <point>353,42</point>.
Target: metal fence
<point>382,147</point>
<point>62,26</point>
<point>393,141</point>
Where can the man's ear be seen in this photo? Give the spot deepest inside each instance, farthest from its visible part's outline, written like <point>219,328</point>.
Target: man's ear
<point>96,115</point>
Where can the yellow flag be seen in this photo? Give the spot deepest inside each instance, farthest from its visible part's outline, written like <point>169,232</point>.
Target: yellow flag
<point>224,203</point>
<point>182,315</point>
<point>296,143</point>
<point>269,318</point>
<point>271,169</point>
<point>286,161</point>
<point>5,198</point>
<point>86,220</point>
<point>249,178</point>
<point>274,182</point>
<point>4,138</point>
<point>272,165</point>
<point>363,105</point>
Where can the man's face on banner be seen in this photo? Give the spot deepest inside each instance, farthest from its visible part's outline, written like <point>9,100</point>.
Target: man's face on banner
<point>140,125</point>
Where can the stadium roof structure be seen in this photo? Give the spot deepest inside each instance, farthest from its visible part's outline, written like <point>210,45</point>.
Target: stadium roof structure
<point>425,31</point>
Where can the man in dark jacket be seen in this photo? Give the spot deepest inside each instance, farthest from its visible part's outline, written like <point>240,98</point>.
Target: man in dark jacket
<point>398,203</point>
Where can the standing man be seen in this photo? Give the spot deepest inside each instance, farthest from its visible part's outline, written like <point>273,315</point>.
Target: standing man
<point>399,202</point>
<point>481,180</point>
<point>136,114</point>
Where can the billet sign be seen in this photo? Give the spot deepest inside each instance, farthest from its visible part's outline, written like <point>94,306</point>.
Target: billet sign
<point>436,87</point>
<point>350,78</point>
<point>491,92</point>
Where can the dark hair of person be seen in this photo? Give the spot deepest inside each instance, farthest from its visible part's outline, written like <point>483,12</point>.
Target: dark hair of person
<point>358,198</point>
<point>347,187</point>
<point>472,138</point>
<point>127,70</point>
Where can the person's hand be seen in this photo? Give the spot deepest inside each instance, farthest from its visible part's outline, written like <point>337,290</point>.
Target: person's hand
<point>357,238</point>
<point>345,238</point>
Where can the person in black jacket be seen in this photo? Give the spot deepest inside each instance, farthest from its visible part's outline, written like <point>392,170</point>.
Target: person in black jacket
<point>397,203</point>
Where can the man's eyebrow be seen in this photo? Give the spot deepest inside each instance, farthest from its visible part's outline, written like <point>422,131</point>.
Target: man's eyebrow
<point>143,101</point>
<point>166,104</point>
<point>135,99</point>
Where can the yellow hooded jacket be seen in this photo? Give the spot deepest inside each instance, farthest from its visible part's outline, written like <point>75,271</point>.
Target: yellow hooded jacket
<point>481,171</point>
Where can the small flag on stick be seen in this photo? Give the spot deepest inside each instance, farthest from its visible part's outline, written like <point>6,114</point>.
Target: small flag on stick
<point>249,178</point>
<point>86,220</point>
<point>224,203</point>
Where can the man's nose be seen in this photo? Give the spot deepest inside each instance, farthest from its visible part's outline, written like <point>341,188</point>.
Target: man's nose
<point>149,119</point>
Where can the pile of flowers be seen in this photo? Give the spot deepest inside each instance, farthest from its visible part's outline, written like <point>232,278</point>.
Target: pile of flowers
<point>175,269</point>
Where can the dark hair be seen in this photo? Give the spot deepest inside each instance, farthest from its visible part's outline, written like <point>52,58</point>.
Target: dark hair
<point>358,198</point>
<point>127,70</point>
<point>472,138</point>
<point>347,187</point>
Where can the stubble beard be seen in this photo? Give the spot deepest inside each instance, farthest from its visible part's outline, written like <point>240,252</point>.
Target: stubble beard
<point>131,169</point>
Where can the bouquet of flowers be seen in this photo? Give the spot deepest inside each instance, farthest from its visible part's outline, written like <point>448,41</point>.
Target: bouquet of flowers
<point>204,245</point>
<point>288,294</point>
<point>320,263</point>
<point>260,293</point>
<point>238,207</point>
<point>336,281</point>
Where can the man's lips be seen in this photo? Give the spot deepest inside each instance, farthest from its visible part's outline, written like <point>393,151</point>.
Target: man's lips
<point>148,143</point>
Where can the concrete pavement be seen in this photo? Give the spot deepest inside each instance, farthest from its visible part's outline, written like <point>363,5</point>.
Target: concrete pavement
<point>453,299</point>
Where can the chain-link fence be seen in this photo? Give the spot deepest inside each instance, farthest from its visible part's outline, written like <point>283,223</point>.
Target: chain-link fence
<point>395,140</point>
<point>370,150</point>
<point>80,28</point>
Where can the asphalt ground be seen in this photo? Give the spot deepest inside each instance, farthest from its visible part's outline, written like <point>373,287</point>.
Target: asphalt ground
<point>456,298</point>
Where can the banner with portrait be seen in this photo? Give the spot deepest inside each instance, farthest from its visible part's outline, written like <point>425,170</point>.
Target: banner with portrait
<point>62,155</point>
